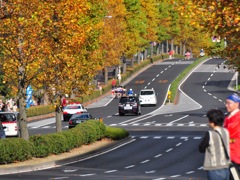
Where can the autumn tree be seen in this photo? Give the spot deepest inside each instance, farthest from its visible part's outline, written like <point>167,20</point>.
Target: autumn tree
<point>49,44</point>
<point>112,38</point>
<point>136,27</point>
<point>222,19</point>
<point>23,49</point>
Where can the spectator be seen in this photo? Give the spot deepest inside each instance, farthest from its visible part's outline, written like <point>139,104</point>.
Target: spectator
<point>63,102</point>
<point>15,107</point>
<point>232,123</point>
<point>100,88</point>
<point>119,78</point>
<point>1,104</point>
<point>113,83</point>
<point>215,162</point>
<point>170,54</point>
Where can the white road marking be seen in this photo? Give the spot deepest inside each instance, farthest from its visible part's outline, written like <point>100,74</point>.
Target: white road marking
<point>143,137</point>
<point>197,138</point>
<point>111,171</point>
<point>153,79</point>
<point>178,119</point>
<point>169,150</point>
<point>84,175</point>
<point>158,155</point>
<point>190,172</point>
<point>131,166</point>
<point>174,176</point>
<point>157,137</point>
<point>60,178</point>
<point>150,172</point>
<point>69,170</point>
<point>178,144</point>
<point>145,161</point>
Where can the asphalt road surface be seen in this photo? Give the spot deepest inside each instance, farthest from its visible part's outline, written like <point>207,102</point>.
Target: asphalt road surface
<point>164,139</point>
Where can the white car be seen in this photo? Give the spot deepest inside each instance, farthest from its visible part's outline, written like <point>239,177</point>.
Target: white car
<point>10,123</point>
<point>73,108</point>
<point>148,97</point>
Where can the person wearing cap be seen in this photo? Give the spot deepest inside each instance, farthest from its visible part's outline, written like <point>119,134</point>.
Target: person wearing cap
<point>232,123</point>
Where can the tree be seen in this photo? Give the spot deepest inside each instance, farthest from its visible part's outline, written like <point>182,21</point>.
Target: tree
<point>136,27</point>
<point>222,19</point>
<point>112,38</point>
<point>49,44</point>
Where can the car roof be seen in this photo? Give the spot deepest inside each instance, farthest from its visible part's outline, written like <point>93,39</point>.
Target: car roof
<point>9,112</point>
<point>147,89</point>
<point>82,114</point>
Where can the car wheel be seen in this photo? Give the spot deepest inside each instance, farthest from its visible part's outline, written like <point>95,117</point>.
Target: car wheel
<point>121,114</point>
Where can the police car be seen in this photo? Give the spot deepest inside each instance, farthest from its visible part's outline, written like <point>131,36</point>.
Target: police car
<point>73,108</point>
<point>10,123</point>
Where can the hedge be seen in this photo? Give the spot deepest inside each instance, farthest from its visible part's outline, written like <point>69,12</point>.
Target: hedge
<point>40,146</point>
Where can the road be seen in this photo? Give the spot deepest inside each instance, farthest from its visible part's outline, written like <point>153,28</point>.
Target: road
<point>164,139</point>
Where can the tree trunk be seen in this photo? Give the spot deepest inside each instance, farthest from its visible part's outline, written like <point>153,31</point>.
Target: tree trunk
<point>106,75</point>
<point>184,48</point>
<point>132,62</point>
<point>23,119</point>
<point>181,52</point>
<point>167,46</point>
<point>124,68</point>
<point>151,52</point>
<point>58,119</point>
<point>162,48</point>
<point>138,57</point>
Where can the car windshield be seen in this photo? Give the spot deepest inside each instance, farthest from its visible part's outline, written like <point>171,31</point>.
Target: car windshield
<point>128,99</point>
<point>146,93</point>
<point>81,116</point>
<point>7,117</point>
<point>73,107</point>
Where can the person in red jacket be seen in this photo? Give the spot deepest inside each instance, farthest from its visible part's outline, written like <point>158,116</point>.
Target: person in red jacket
<point>232,123</point>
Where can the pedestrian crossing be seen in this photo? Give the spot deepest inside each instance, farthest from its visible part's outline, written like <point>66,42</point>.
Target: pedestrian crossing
<point>133,125</point>
<point>163,124</point>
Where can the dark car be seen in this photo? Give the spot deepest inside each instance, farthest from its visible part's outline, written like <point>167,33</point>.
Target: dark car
<point>129,105</point>
<point>79,118</point>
